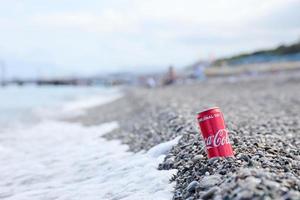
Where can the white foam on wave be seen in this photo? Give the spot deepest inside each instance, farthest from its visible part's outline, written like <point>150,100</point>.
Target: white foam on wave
<point>59,160</point>
<point>163,148</point>
<point>78,106</point>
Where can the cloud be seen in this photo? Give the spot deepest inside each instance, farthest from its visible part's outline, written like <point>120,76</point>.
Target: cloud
<point>216,13</point>
<point>106,22</point>
<point>98,35</point>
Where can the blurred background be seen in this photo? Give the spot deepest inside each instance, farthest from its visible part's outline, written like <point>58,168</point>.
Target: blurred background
<point>148,43</point>
<point>60,60</point>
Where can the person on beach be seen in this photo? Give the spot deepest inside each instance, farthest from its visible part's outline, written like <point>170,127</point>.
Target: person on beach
<point>199,72</point>
<point>170,77</point>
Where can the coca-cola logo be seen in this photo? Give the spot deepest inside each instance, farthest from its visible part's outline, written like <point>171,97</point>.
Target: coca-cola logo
<point>219,139</point>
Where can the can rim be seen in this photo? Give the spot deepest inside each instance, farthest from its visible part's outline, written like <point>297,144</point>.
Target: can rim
<point>211,108</point>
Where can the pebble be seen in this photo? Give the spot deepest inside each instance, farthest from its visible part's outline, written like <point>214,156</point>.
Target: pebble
<point>197,157</point>
<point>263,119</point>
<point>192,186</point>
<point>246,194</point>
<point>271,184</point>
<point>293,195</point>
<point>210,193</point>
<point>244,172</point>
<point>209,181</point>
<point>213,160</point>
<point>250,182</point>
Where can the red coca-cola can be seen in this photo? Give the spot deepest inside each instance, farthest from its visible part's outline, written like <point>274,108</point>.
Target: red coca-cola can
<point>214,132</point>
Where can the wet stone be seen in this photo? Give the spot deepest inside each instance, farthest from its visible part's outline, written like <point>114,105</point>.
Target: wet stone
<point>192,186</point>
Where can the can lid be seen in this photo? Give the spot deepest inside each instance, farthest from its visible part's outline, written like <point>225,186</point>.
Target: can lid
<point>208,109</point>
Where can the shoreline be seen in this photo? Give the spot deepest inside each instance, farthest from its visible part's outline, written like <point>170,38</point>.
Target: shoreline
<point>264,124</point>
<point>54,158</point>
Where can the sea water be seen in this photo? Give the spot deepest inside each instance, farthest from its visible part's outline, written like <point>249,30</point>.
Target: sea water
<point>43,157</point>
<point>28,105</point>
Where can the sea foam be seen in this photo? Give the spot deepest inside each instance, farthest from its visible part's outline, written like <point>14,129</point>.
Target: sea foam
<point>53,159</point>
<point>60,160</point>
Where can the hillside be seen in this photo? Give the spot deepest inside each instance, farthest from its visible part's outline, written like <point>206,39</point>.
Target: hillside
<point>281,53</point>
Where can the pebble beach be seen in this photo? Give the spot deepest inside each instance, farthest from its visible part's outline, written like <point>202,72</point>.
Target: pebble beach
<point>262,115</point>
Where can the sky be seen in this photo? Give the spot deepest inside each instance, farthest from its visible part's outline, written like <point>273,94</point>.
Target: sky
<point>72,37</point>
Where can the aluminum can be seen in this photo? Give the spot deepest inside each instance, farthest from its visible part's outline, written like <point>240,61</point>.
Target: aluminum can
<point>214,132</point>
